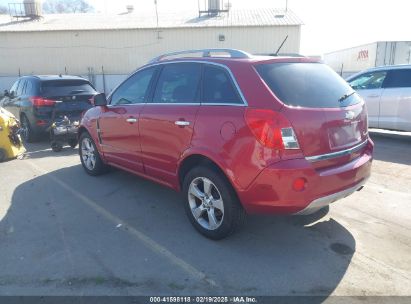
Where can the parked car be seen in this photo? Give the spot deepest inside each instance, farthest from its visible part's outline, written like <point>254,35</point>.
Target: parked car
<point>237,135</point>
<point>33,98</point>
<point>387,93</point>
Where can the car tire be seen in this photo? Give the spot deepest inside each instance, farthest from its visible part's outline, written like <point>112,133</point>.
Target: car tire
<point>56,146</point>
<point>27,132</point>
<point>73,143</point>
<point>211,203</point>
<point>90,157</point>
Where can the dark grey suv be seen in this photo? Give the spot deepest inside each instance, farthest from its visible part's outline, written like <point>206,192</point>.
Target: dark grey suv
<point>36,99</point>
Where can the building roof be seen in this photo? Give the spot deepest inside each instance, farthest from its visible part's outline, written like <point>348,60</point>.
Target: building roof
<point>190,19</point>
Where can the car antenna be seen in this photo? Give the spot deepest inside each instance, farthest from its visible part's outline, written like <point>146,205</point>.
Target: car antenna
<point>276,53</point>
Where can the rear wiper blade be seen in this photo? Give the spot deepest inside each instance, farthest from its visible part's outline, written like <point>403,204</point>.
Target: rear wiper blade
<point>344,97</point>
<point>77,91</point>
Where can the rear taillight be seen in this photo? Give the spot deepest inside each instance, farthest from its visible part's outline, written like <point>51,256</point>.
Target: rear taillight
<point>42,102</point>
<point>272,129</point>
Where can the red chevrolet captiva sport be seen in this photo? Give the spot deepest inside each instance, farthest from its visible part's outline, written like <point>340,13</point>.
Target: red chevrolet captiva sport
<point>235,133</point>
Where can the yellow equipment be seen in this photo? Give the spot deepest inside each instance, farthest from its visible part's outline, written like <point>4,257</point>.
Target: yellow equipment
<point>10,142</point>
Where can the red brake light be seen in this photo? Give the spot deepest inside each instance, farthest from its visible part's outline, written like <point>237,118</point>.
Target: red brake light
<point>42,102</point>
<point>270,128</point>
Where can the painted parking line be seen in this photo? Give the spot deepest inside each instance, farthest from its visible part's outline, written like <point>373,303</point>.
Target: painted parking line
<point>147,241</point>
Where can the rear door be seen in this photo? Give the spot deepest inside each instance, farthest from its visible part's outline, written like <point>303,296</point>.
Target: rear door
<point>325,112</point>
<point>167,123</point>
<point>119,121</point>
<point>370,86</point>
<point>395,104</point>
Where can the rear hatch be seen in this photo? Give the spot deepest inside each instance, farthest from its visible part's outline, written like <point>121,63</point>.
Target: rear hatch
<point>326,114</point>
<point>71,96</point>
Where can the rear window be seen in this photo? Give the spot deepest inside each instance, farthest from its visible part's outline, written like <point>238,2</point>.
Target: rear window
<point>311,85</point>
<point>66,87</point>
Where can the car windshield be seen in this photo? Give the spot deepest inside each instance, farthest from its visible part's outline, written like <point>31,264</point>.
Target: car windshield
<point>311,85</point>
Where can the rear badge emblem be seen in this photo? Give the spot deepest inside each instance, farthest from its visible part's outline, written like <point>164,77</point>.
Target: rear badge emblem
<point>349,115</point>
<point>74,97</point>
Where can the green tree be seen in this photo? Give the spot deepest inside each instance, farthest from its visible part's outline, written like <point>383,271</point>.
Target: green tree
<point>66,6</point>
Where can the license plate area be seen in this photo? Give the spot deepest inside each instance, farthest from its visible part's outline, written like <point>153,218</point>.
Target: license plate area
<point>344,136</point>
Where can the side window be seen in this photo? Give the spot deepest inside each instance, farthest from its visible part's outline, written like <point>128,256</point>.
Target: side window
<point>398,79</point>
<point>29,87</point>
<point>368,81</point>
<point>135,89</point>
<point>13,89</point>
<point>21,87</point>
<point>218,87</point>
<point>178,83</point>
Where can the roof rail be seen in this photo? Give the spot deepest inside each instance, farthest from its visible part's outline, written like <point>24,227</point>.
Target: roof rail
<point>205,53</point>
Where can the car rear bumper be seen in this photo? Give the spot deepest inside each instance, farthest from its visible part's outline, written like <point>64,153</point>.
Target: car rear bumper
<point>272,191</point>
<point>321,202</point>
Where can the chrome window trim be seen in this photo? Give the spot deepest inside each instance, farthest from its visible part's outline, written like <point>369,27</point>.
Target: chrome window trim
<point>224,104</point>
<point>336,154</point>
<point>194,104</point>
<point>226,68</point>
<point>173,103</point>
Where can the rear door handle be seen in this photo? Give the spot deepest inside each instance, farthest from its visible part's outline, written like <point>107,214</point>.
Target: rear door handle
<point>182,123</point>
<point>373,96</point>
<point>131,120</point>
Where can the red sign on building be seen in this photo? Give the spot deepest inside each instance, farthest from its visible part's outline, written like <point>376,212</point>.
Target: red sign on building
<point>362,55</point>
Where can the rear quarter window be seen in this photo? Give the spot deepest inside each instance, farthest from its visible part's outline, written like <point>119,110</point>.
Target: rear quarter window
<point>310,85</point>
<point>398,79</point>
<point>218,87</point>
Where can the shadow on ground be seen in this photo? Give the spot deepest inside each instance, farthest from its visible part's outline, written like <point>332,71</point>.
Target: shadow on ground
<point>53,242</point>
<point>42,149</point>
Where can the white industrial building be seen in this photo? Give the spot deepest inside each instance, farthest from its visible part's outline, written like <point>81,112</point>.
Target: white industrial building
<point>349,61</point>
<point>93,45</point>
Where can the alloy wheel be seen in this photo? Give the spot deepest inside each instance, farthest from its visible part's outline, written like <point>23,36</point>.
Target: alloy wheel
<point>206,203</point>
<point>24,130</point>
<point>88,154</point>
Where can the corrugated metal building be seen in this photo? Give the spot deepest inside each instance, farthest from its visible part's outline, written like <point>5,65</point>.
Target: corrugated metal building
<point>87,44</point>
<point>350,61</point>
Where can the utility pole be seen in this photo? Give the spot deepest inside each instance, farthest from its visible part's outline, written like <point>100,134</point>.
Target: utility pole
<point>158,31</point>
<point>286,5</point>
<point>155,3</point>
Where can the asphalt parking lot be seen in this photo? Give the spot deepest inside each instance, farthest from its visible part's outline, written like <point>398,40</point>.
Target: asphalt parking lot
<point>63,232</point>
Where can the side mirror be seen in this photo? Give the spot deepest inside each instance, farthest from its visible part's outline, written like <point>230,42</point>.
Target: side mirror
<point>99,100</point>
<point>6,93</point>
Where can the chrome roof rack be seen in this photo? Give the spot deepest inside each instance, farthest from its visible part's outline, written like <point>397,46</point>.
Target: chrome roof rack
<point>205,53</point>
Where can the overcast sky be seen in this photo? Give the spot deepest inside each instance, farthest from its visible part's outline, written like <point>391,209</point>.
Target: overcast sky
<point>329,24</point>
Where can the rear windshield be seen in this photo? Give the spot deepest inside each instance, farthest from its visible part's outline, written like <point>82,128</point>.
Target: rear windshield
<point>310,85</point>
<point>66,87</point>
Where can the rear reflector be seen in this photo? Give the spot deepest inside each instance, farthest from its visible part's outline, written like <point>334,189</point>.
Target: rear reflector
<point>42,102</point>
<point>272,129</point>
<point>299,184</point>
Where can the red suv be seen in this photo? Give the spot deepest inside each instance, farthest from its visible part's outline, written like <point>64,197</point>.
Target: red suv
<point>235,133</point>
